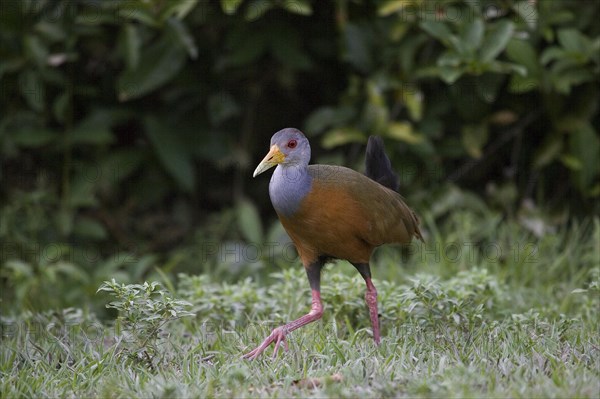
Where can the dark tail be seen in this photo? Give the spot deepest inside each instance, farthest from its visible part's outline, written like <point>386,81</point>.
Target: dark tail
<point>378,166</point>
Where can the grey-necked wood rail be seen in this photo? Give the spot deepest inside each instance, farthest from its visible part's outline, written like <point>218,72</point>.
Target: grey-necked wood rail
<point>332,212</point>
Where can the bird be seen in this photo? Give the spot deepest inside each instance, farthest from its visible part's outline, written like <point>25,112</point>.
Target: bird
<point>332,212</point>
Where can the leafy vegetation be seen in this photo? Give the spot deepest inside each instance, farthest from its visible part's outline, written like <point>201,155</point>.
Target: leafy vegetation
<point>144,309</point>
<point>522,325</point>
<point>127,139</point>
<point>131,127</point>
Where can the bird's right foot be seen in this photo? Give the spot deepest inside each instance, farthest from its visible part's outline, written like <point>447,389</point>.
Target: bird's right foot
<point>277,336</point>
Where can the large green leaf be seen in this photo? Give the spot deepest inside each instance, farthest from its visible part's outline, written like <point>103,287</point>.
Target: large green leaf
<point>585,147</point>
<point>137,11</point>
<point>572,40</point>
<point>158,64</point>
<point>96,135</point>
<point>450,74</point>
<point>320,119</point>
<point>552,53</point>
<point>564,80</point>
<point>95,129</point>
<point>301,7</point>
<point>326,117</point>
<point>33,138</point>
<point>89,228</point>
<point>36,50</point>
<point>33,89</point>
<point>289,52</point>
<point>358,47</point>
<point>439,30</point>
<point>449,58</point>
<point>403,131</point>
<point>522,52</point>
<point>131,44</point>
<point>245,47</point>
<point>389,7</point>
<point>496,40</point>
<point>474,137</point>
<point>520,84</point>
<point>249,221</point>
<point>230,6</point>
<point>175,156</point>
<point>183,36</point>
<point>413,99</point>
<point>221,107</point>
<point>527,10</point>
<point>257,8</point>
<point>506,67</point>
<point>61,106</point>
<point>342,135</point>
<point>472,35</point>
<point>548,151</point>
<point>178,9</point>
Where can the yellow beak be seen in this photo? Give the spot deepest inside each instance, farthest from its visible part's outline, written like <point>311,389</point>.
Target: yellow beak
<point>273,158</point>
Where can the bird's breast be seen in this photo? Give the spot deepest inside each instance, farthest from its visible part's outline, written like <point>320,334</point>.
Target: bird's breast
<point>288,188</point>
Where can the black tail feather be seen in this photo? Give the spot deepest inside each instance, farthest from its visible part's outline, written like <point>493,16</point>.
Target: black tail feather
<point>378,166</point>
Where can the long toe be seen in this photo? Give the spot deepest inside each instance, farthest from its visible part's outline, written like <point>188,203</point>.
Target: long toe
<point>280,338</point>
<point>253,354</point>
<point>277,336</point>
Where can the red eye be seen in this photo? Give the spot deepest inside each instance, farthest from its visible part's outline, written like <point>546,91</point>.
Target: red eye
<point>292,144</point>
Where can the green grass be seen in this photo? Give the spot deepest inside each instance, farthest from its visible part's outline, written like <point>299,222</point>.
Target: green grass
<point>518,325</point>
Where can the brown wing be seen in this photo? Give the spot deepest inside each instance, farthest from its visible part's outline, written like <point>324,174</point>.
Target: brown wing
<point>346,215</point>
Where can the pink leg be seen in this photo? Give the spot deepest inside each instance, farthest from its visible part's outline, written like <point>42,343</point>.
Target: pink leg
<point>279,333</point>
<point>371,299</point>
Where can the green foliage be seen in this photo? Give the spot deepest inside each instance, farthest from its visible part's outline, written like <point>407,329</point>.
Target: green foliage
<point>130,128</point>
<point>476,269</point>
<point>37,261</point>
<point>465,335</point>
<point>461,301</point>
<point>224,303</point>
<point>144,310</point>
<point>128,136</point>
<point>420,74</point>
<point>455,81</point>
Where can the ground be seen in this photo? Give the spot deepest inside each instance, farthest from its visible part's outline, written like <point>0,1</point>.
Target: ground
<point>524,325</point>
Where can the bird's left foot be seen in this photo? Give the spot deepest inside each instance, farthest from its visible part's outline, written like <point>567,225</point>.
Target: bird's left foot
<point>277,336</point>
